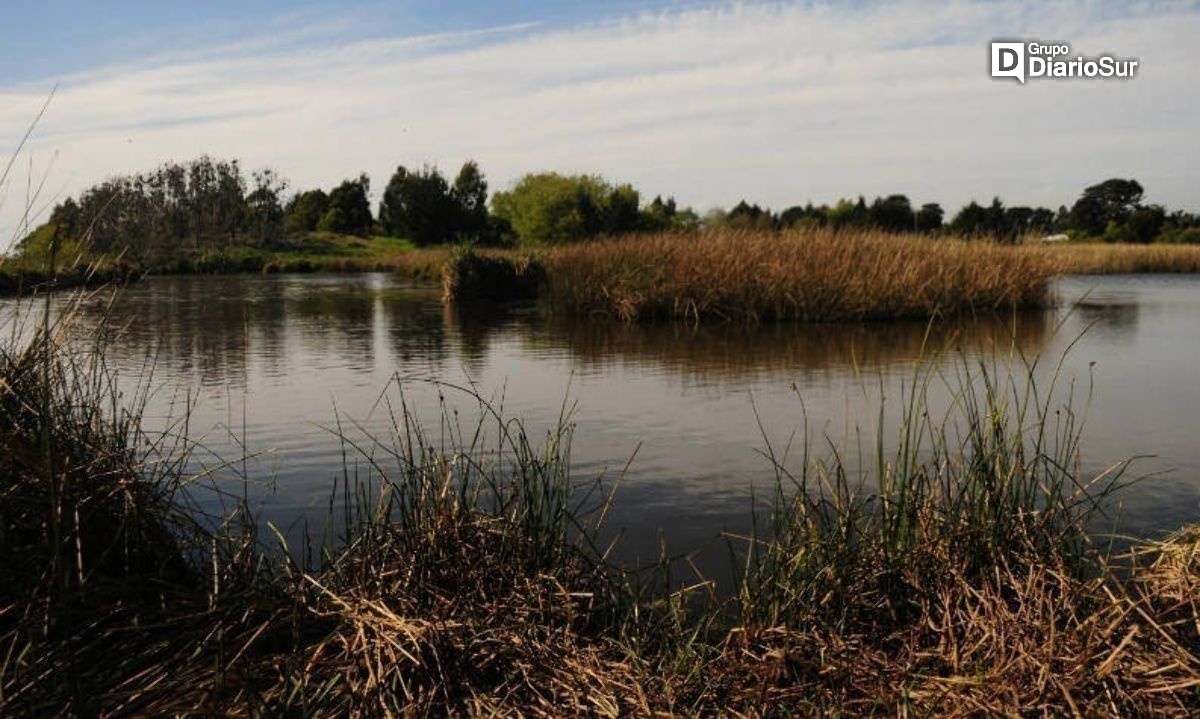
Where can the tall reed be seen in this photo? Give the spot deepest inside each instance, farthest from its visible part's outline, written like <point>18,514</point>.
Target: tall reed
<point>801,275</point>
<point>994,479</point>
<point>1109,258</point>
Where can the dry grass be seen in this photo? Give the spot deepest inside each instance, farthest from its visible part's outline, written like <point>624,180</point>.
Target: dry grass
<point>805,275</point>
<point>1018,641</point>
<point>1107,259</point>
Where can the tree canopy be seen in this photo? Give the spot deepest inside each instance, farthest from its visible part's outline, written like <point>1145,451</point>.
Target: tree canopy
<point>201,204</point>
<point>349,209</point>
<point>1109,201</point>
<point>552,208</point>
<point>424,208</point>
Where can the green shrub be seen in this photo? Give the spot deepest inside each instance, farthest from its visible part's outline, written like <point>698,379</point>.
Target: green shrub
<point>1184,236</point>
<point>553,208</point>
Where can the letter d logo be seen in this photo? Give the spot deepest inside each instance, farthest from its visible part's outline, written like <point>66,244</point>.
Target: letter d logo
<point>1008,60</point>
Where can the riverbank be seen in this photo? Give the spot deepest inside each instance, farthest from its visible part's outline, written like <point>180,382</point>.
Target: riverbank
<point>316,252</point>
<point>311,252</point>
<point>961,581</point>
<point>21,281</point>
<point>728,275</point>
<point>1115,259</point>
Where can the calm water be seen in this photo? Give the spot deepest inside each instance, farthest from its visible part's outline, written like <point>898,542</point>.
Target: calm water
<point>267,359</point>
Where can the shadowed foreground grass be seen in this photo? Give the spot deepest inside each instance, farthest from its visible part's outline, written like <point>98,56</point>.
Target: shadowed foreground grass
<point>954,575</point>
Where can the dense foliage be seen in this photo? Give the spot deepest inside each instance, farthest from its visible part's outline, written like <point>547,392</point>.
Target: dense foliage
<point>180,212</point>
<point>349,211</point>
<point>423,207</point>
<point>202,204</point>
<point>551,208</point>
<point>1111,210</point>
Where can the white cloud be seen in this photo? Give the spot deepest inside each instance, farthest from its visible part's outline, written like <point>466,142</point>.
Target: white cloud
<point>776,103</point>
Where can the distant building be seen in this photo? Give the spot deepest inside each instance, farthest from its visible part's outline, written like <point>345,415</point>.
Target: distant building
<point>1055,238</point>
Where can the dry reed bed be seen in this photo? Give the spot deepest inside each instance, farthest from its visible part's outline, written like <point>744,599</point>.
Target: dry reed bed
<point>1107,259</point>
<point>805,276</point>
<point>1018,641</point>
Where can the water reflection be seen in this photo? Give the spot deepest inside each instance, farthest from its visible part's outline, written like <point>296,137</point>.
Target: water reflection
<point>1114,316</point>
<point>728,352</point>
<point>415,328</point>
<point>336,321</point>
<point>212,329</point>
<point>274,353</point>
<point>215,330</point>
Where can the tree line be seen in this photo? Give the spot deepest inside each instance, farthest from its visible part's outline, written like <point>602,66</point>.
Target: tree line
<point>1112,210</point>
<point>198,204</point>
<point>207,204</point>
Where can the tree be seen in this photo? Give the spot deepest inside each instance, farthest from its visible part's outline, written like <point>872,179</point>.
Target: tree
<point>153,215</point>
<point>745,216</point>
<point>929,217</point>
<point>1110,201</point>
<point>66,216</point>
<point>1144,224</point>
<point>349,208</point>
<point>665,216</point>
<point>792,216</point>
<point>471,195</point>
<point>659,215</point>
<point>892,213</point>
<point>804,216</point>
<point>305,210</point>
<point>264,213</point>
<point>1042,220</point>
<point>1017,221</point>
<point>1181,219</point>
<point>995,225</point>
<point>1020,221</point>
<point>849,214</point>
<point>620,213</point>
<point>419,206</point>
<point>971,220</point>
<point>552,208</point>
<point>230,199</point>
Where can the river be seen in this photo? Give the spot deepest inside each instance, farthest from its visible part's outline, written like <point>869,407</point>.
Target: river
<point>270,363</point>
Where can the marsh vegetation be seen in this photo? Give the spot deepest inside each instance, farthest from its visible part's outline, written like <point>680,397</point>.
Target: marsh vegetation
<point>462,569</point>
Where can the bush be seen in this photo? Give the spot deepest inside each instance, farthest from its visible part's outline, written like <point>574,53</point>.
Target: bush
<point>1185,236</point>
<point>471,277</point>
<point>553,208</point>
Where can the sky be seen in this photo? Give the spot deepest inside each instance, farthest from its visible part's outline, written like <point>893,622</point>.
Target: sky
<point>778,103</point>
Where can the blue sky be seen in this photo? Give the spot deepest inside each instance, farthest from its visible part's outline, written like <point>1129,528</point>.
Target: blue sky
<point>43,39</point>
<point>779,103</point>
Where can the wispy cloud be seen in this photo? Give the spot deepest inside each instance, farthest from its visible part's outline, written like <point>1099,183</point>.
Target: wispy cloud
<point>777,103</point>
